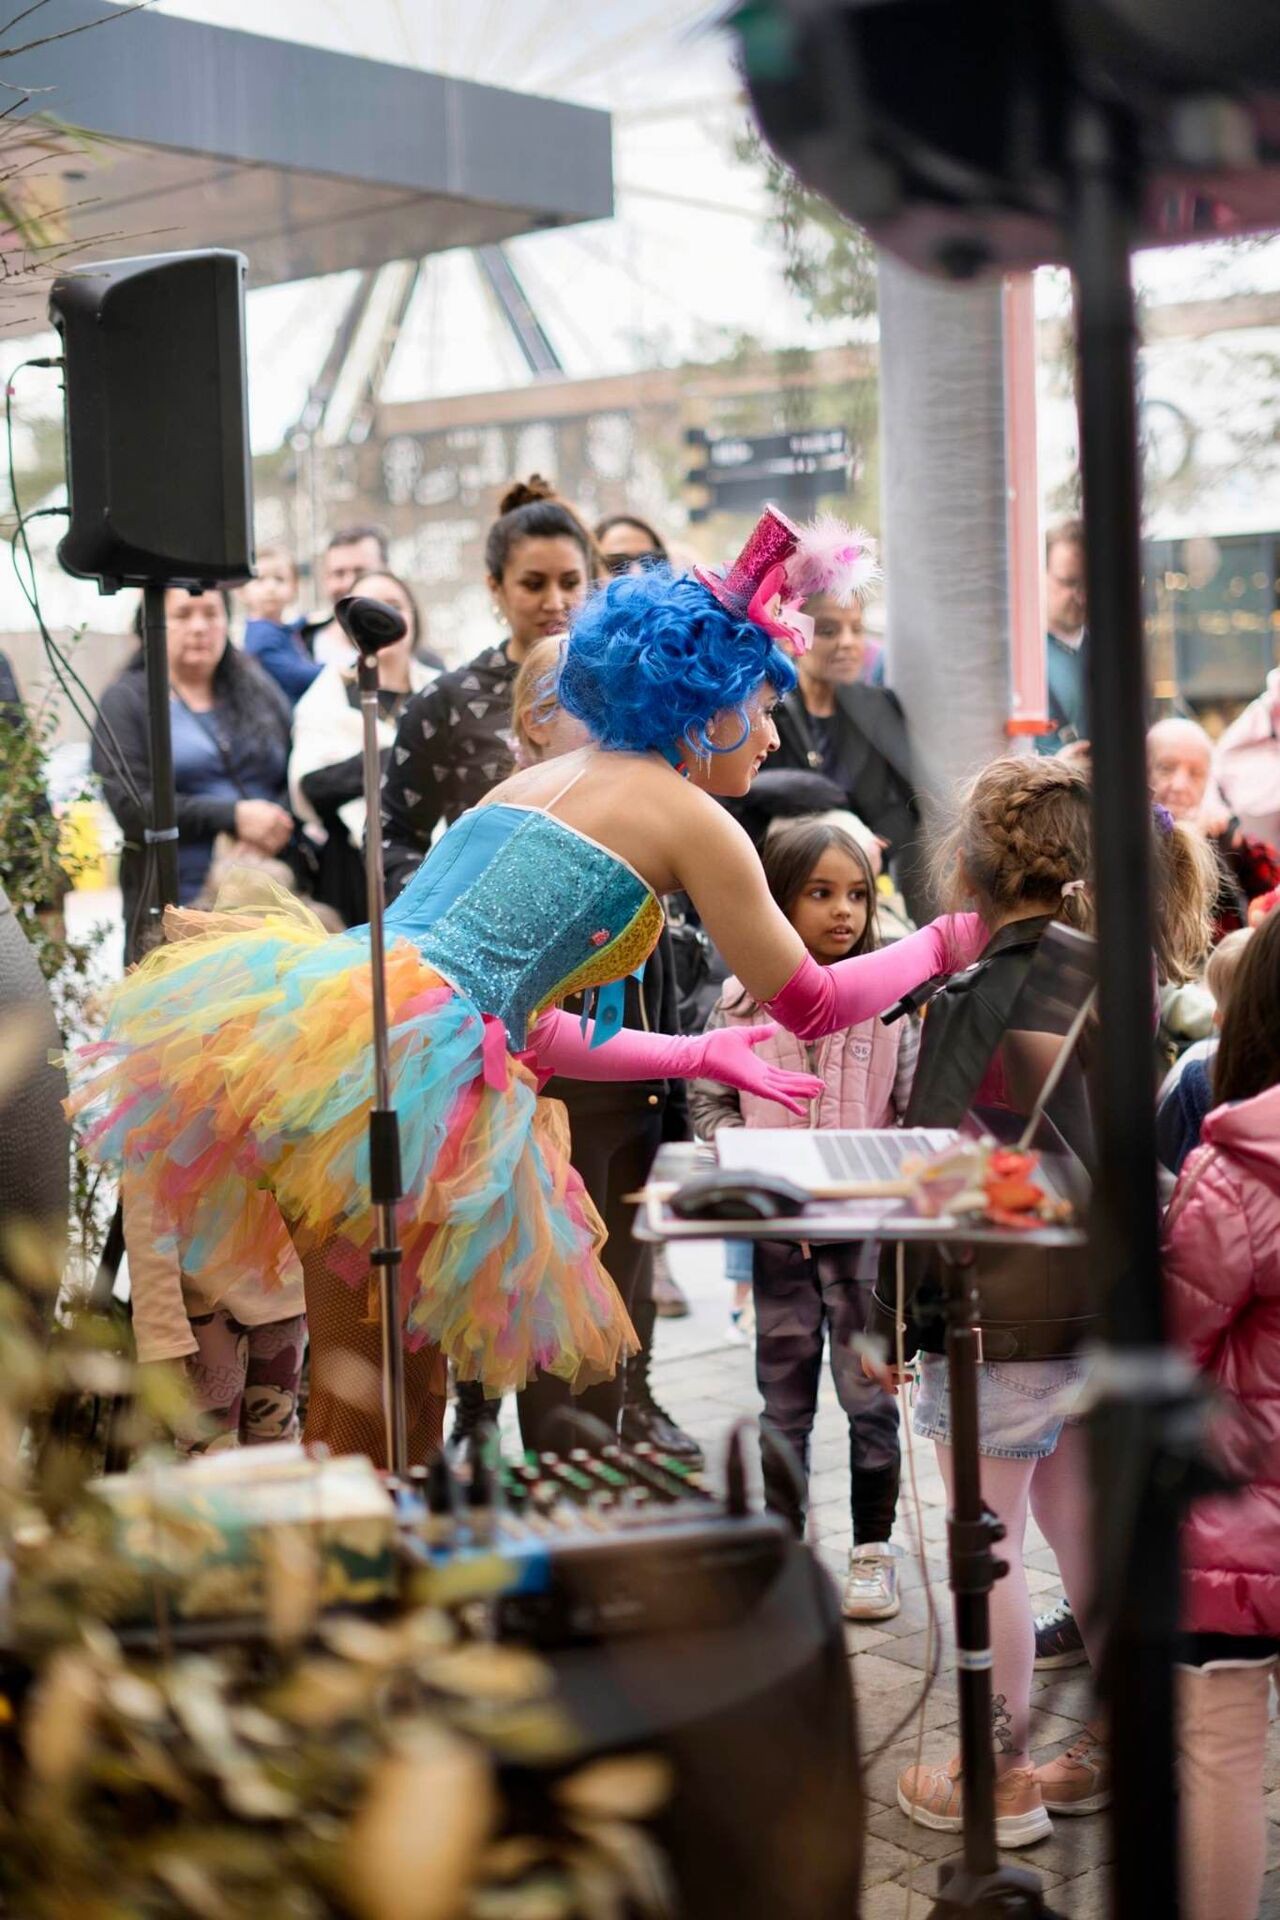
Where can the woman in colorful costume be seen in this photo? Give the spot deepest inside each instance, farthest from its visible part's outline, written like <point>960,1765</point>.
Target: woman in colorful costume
<point>235,1074</point>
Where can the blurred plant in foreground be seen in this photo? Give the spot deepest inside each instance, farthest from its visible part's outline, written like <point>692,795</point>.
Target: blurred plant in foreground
<point>332,1767</point>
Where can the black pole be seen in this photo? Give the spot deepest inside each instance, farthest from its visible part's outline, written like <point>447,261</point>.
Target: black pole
<point>979,1888</point>
<point>1138,1670</point>
<point>970,1533</point>
<point>386,1186</point>
<point>161,835</point>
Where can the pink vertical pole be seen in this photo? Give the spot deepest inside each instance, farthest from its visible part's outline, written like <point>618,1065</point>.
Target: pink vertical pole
<point>1028,690</point>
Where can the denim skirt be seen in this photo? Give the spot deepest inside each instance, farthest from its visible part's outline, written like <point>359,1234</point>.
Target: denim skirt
<point>1023,1405</point>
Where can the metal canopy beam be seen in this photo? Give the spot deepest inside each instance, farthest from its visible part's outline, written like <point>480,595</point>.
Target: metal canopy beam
<point>308,161</point>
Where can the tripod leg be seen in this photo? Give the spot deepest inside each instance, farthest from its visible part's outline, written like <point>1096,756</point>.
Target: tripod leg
<point>970,1533</point>
<point>979,1886</point>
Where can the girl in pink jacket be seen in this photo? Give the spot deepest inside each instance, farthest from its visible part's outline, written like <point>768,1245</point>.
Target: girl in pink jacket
<point>822,879</point>
<point>1222,1267</point>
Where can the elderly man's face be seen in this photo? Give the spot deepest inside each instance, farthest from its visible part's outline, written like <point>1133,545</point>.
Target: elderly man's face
<point>1178,767</point>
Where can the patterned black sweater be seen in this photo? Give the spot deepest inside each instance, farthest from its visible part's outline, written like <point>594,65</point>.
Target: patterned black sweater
<point>453,744</point>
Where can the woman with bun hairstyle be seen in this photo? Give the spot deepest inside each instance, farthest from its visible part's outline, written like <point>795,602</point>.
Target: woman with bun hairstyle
<point>235,1074</point>
<point>454,741</point>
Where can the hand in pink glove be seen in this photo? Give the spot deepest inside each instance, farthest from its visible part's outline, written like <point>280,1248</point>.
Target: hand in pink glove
<point>726,1054</point>
<point>731,1058</point>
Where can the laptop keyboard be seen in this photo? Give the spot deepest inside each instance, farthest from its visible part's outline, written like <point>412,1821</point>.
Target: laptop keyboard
<point>850,1156</point>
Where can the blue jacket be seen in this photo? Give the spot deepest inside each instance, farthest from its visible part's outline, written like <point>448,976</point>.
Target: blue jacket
<point>1181,1113</point>
<point>279,650</point>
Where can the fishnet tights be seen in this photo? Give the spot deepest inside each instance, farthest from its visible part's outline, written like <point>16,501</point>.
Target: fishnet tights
<point>344,1412</point>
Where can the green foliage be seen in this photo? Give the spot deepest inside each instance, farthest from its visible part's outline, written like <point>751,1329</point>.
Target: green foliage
<point>36,875</point>
<point>828,261</point>
<point>333,1766</point>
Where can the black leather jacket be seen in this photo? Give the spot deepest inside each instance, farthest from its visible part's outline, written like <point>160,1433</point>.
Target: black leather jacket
<point>1034,1303</point>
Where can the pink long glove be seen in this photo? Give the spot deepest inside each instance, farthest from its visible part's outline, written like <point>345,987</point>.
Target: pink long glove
<point>727,1054</point>
<point>819,1000</point>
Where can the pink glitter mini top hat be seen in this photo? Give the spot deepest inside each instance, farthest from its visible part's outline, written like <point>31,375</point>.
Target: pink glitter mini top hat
<point>783,565</point>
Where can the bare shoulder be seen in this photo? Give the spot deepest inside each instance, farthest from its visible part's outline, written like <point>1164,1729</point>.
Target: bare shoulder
<point>634,804</point>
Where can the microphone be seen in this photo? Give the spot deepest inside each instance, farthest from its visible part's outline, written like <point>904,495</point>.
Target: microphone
<point>915,1001</point>
<point>369,624</point>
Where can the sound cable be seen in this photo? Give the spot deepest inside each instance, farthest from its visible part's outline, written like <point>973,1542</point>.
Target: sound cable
<point>917,1706</point>
<point>94,721</point>
<point>935,1630</point>
<point>19,543</point>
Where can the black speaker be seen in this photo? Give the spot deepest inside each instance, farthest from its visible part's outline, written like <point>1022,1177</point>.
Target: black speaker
<point>157,420</point>
<point>945,126</point>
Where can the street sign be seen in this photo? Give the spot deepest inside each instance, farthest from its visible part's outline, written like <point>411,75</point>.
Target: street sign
<point>741,472</point>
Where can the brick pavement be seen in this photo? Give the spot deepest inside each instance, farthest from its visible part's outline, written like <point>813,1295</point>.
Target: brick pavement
<point>707,1385</point>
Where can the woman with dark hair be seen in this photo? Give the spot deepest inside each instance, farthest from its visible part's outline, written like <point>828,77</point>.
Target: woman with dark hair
<point>454,741</point>
<point>230,726</point>
<point>834,725</point>
<point>628,544</point>
<point>326,767</point>
<point>236,1075</point>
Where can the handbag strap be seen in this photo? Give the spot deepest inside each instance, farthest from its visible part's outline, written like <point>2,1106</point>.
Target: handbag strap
<point>207,727</point>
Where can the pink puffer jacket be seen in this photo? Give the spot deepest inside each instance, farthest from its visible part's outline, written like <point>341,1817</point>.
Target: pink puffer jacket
<point>1222,1268</point>
<point>866,1072</point>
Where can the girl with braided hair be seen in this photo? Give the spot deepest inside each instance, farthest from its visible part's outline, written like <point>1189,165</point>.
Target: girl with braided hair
<point>1021,854</point>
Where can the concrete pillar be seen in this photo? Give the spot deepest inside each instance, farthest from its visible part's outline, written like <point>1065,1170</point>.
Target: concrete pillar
<point>942,458</point>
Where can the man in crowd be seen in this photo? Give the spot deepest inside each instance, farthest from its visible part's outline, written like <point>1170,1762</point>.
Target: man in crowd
<point>1067,640</point>
<point>351,552</point>
<point>1179,760</point>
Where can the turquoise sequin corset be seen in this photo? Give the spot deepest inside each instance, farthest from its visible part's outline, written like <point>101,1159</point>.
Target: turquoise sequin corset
<point>518,909</point>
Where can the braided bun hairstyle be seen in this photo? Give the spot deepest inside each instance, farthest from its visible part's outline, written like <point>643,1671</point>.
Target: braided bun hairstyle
<point>532,510</point>
<point>1022,834</point>
<point>1024,831</point>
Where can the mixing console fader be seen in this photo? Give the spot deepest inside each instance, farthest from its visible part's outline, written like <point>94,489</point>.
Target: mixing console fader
<point>586,1545</point>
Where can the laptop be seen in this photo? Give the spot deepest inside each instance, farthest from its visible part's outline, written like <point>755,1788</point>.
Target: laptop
<point>829,1158</point>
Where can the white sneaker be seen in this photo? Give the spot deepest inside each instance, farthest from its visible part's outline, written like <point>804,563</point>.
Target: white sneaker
<point>741,1329</point>
<point>871,1584</point>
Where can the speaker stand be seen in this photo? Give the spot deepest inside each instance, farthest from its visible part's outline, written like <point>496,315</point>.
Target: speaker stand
<point>385,1182</point>
<point>1144,1406</point>
<point>978,1886</point>
<point>161,837</point>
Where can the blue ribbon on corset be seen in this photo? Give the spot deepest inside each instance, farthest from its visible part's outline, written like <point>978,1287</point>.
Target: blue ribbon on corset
<point>606,1006</point>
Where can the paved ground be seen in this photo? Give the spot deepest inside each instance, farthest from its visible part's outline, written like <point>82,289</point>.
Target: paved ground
<point>707,1384</point>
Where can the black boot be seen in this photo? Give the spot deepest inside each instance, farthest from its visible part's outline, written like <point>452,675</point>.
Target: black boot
<point>472,1413</point>
<point>645,1422</point>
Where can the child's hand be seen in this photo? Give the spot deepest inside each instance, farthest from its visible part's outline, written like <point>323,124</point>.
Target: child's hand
<point>889,1377</point>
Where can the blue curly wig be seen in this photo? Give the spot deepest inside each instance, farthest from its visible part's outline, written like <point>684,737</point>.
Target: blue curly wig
<point>654,657</point>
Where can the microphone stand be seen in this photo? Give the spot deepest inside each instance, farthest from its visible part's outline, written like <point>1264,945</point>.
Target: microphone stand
<point>385,1183</point>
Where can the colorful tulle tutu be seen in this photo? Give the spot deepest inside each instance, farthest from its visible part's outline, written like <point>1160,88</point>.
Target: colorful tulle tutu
<point>235,1078</point>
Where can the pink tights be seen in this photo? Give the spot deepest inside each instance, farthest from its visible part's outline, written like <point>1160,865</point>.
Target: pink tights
<point>1222,1714</point>
<point>1055,1490</point>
